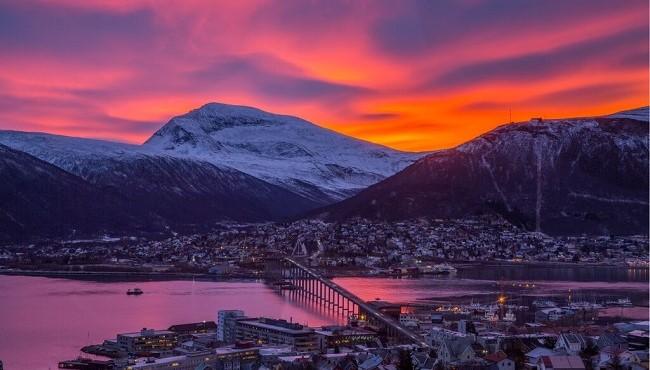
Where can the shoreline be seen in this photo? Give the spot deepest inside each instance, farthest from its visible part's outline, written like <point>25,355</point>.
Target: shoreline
<point>343,273</point>
<point>125,276</point>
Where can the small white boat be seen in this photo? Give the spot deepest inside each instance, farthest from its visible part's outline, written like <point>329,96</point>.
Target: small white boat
<point>582,305</point>
<point>134,291</point>
<point>621,302</point>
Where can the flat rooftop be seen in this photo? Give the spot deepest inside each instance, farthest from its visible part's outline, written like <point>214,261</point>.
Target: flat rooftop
<point>341,330</point>
<point>146,333</point>
<point>278,326</point>
<point>144,362</point>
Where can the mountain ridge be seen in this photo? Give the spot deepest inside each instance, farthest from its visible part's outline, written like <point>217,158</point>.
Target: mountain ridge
<point>38,198</point>
<point>590,173</point>
<point>282,149</point>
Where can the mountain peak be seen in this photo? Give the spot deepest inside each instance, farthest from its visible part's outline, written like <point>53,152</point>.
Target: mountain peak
<point>284,150</point>
<point>559,176</point>
<point>227,115</point>
<point>223,109</point>
<point>198,125</point>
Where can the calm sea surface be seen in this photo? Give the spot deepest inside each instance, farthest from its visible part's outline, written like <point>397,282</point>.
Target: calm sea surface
<point>44,320</point>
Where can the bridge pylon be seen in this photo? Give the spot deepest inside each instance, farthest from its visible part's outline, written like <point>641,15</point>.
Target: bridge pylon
<point>292,275</point>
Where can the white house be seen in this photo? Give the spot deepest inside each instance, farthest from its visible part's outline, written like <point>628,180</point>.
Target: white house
<point>571,343</point>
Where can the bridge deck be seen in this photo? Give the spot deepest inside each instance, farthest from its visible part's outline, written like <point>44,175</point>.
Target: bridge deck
<point>368,309</point>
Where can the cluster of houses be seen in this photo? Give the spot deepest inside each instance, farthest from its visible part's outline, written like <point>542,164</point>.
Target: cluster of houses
<point>238,342</point>
<point>354,244</point>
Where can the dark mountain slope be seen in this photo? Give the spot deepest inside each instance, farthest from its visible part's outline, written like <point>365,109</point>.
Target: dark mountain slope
<point>37,198</point>
<point>177,190</point>
<point>571,176</point>
<point>131,193</point>
<point>183,191</point>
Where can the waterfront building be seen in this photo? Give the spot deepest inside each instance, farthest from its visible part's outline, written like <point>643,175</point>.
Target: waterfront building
<point>225,358</point>
<point>437,319</point>
<point>342,336</point>
<point>202,327</point>
<point>409,319</point>
<point>274,332</point>
<point>553,314</point>
<point>86,364</point>
<point>269,355</point>
<point>226,324</point>
<point>148,341</point>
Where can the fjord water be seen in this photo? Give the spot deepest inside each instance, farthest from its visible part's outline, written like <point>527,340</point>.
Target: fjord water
<point>44,320</point>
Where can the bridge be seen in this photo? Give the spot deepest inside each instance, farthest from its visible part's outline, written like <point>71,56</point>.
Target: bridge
<point>289,274</point>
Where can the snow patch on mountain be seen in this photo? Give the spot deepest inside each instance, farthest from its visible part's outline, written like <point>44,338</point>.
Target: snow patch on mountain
<point>69,152</point>
<point>639,114</point>
<point>281,149</point>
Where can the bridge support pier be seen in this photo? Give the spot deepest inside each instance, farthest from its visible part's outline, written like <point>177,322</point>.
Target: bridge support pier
<point>310,287</point>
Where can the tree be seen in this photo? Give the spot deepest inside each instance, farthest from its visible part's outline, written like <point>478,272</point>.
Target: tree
<point>587,353</point>
<point>405,361</point>
<point>518,356</point>
<point>615,362</point>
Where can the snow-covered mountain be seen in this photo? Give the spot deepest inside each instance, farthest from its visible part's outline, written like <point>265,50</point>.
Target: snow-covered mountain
<point>309,160</point>
<point>640,114</point>
<point>170,191</point>
<point>224,162</point>
<point>217,163</point>
<point>564,176</point>
<point>70,153</point>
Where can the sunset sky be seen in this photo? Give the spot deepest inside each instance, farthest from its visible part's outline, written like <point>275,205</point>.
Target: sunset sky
<point>415,75</point>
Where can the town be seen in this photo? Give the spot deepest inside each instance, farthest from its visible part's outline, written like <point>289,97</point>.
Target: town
<point>470,337</point>
<point>510,332</point>
<point>357,247</point>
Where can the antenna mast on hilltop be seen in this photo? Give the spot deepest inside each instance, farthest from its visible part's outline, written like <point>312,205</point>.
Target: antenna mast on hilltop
<point>510,114</point>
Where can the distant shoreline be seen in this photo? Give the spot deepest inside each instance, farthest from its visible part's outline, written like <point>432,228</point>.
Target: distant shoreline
<point>163,276</point>
<point>124,276</point>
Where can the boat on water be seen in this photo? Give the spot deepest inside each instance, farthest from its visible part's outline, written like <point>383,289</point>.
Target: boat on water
<point>544,303</point>
<point>443,268</point>
<point>620,302</point>
<point>284,285</point>
<point>583,305</point>
<point>86,364</point>
<point>134,291</point>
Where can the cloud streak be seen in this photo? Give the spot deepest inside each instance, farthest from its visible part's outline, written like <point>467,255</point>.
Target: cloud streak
<point>417,75</point>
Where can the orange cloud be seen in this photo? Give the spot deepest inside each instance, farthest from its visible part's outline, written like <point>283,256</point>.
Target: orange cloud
<point>417,75</point>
